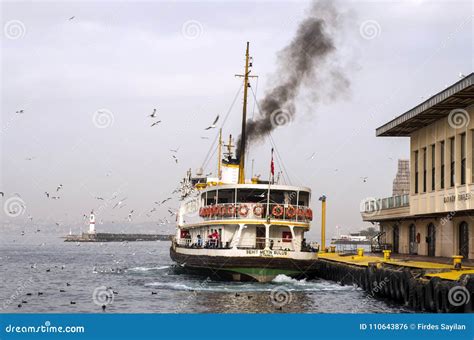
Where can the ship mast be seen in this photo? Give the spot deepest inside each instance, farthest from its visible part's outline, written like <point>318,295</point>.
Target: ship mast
<point>243,136</point>
<point>219,156</point>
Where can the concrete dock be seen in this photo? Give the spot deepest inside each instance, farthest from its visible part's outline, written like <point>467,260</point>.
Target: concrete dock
<point>422,284</point>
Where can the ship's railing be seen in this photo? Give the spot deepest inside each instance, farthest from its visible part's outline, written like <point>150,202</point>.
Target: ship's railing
<point>229,211</point>
<point>275,243</point>
<point>373,205</point>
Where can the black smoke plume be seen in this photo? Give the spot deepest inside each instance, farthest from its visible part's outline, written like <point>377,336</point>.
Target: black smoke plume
<point>300,63</point>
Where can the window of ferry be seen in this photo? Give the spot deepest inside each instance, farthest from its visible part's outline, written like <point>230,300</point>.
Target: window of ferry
<point>226,196</point>
<point>211,198</point>
<point>463,158</point>
<point>303,198</point>
<point>283,197</point>
<point>251,195</point>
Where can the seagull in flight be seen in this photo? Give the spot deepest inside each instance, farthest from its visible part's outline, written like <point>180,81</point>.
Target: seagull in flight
<point>175,150</point>
<point>29,158</point>
<point>2,193</point>
<point>119,203</point>
<point>165,200</point>
<point>71,18</point>
<point>312,156</point>
<point>60,186</point>
<point>175,159</point>
<point>47,194</point>
<point>99,198</point>
<point>155,123</point>
<point>213,125</point>
<point>364,179</point>
<point>153,115</point>
<point>20,111</point>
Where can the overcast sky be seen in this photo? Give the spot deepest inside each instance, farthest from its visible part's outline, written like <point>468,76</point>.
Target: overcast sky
<point>126,58</point>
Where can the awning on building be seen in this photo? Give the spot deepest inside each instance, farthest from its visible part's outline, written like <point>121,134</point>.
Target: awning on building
<point>458,96</point>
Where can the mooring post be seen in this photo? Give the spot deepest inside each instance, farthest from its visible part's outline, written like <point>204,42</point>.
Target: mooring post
<point>457,261</point>
<point>386,255</point>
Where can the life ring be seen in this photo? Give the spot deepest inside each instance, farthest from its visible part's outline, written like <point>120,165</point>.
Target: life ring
<point>231,210</point>
<point>243,210</point>
<point>300,213</point>
<point>290,211</point>
<point>215,210</point>
<point>258,210</point>
<point>309,214</point>
<point>201,212</point>
<point>277,211</point>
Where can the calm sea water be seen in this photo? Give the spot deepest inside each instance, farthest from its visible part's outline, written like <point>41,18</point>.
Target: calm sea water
<point>79,278</point>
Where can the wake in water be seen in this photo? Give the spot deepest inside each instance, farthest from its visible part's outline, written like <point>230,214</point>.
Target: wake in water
<point>230,287</point>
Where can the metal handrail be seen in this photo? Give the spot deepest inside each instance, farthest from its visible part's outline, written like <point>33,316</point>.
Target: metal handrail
<point>372,205</point>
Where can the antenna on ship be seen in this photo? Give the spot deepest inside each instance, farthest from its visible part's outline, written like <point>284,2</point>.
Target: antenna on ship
<point>219,156</point>
<point>243,136</point>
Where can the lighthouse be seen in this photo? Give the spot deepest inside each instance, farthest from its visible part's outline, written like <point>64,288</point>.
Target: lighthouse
<point>92,223</point>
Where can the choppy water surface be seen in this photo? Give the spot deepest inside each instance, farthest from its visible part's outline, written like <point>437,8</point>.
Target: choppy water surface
<point>45,274</point>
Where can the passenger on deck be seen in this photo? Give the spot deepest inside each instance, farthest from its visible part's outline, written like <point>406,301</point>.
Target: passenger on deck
<point>199,241</point>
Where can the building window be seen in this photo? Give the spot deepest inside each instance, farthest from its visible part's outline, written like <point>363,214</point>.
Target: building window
<point>463,158</point>
<point>433,171</point>
<point>416,172</point>
<point>441,157</point>
<point>472,156</point>
<point>452,156</point>
<point>424,169</point>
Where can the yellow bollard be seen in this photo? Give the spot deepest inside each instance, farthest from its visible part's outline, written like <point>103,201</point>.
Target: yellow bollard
<point>333,249</point>
<point>457,261</point>
<point>386,255</point>
<point>360,252</point>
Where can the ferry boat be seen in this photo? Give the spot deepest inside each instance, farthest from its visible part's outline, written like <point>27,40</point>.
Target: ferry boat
<point>243,229</point>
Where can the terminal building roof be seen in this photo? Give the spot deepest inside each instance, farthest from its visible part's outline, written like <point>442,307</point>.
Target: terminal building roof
<point>457,96</point>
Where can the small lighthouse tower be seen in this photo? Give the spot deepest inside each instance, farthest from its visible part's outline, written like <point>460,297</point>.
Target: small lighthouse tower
<point>92,223</point>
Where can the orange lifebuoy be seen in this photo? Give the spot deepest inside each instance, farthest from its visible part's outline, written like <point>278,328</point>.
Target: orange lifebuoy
<point>243,210</point>
<point>277,210</point>
<point>300,212</point>
<point>231,209</point>
<point>290,211</point>
<point>215,210</point>
<point>258,210</point>
<point>309,214</point>
<point>201,212</point>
